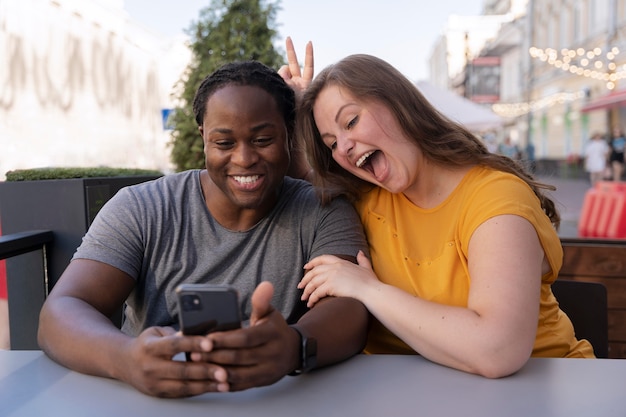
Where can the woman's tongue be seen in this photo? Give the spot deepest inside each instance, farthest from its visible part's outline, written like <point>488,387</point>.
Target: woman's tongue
<point>374,163</point>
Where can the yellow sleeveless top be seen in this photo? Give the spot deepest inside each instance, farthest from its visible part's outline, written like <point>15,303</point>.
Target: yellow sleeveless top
<point>424,252</point>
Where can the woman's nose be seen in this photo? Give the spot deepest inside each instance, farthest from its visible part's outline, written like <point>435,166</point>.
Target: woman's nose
<point>344,145</point>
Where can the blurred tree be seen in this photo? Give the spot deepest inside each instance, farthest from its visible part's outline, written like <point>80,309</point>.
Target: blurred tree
<point>227,31</point>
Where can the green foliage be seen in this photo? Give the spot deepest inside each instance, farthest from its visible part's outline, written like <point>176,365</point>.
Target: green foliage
<point>227,31</point>
<point>71,172</point>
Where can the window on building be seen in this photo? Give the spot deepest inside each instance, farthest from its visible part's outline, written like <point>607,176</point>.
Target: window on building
<point>598,15</point>
<point>565,25</point>
<point>553,28</point>
<point>577,22</point>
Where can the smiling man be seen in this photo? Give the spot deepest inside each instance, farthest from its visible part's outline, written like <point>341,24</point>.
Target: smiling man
<point>240,222</point>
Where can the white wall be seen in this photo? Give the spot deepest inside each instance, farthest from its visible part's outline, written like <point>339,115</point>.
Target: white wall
<point>81,85</point>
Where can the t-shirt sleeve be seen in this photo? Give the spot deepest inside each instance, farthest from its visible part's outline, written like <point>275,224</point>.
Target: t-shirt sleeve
<point>114,237</point>
<point>510,195</point>
<point>339,231</point>
<point>496,197</point>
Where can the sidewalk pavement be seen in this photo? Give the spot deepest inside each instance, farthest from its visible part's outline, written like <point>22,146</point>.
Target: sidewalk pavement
<point>568,198</point>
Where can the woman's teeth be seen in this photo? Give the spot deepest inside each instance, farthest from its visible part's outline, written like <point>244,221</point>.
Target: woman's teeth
<point>363,158</point>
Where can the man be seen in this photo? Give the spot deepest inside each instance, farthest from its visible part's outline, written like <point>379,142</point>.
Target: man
<point>241,222</point>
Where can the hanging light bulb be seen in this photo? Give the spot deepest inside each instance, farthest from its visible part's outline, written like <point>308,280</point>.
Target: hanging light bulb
<point>573,60</point>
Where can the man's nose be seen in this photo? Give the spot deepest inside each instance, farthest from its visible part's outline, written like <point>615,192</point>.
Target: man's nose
<point>244,155</point>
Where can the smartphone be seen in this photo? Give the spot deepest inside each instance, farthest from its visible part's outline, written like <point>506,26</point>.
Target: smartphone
<point>206,308</point>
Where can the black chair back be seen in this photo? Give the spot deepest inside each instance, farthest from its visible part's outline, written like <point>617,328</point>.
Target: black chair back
<point>585,303</point>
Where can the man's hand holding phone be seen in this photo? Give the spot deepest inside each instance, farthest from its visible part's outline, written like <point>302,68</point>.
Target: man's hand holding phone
<point>257,355</point>
<point>148,366</point>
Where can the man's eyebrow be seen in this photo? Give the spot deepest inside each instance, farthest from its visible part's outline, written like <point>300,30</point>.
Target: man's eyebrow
<point>220,130</point>
<point>262,126</point>
<point>256,128</point>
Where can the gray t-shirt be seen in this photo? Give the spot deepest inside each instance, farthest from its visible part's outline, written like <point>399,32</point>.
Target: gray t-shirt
<point>162,234</point>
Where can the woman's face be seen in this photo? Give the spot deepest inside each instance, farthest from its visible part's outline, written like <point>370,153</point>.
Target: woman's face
<point>366,139</point>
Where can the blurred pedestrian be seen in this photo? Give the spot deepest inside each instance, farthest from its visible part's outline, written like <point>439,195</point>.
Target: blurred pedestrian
<point>529,156</point>
<point>618,142</point>
<point>490,142</point>
<point>596,153</point>
<point>508,148</point>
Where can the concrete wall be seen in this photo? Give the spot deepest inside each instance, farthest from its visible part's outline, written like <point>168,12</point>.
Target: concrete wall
<point>82,85</point>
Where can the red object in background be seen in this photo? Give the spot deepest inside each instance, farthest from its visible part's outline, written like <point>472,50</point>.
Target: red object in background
<point>589,212</point>
<point>616,227</point>
<point>3,276</point>
<point>604,211</point>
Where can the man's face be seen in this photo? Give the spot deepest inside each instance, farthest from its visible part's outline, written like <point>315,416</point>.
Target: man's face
<point>245,147</point>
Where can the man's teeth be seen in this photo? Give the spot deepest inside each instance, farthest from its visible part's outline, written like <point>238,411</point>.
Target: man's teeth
<point>247,179</point>
<point>362,159</point>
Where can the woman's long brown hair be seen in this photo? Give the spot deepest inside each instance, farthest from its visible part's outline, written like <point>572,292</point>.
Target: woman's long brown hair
<point>440,139</point>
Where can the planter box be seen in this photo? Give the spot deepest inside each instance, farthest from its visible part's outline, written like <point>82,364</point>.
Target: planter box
<point>67,207</point>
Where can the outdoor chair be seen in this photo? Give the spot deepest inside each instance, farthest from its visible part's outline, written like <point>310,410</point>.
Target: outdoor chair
<point>27,283</point>
<point>585,303</point>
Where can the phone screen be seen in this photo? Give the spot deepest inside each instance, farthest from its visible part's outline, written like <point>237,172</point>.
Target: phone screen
<point>204,308</point>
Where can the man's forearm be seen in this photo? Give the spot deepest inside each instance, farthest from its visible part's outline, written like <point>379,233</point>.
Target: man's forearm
<point>79,337</point>
<point>339,324</point>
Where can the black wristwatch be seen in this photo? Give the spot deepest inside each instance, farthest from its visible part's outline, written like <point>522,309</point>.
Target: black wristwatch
<point>308,352</point>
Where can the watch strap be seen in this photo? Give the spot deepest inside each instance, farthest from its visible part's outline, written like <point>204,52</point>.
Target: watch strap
<point>308,352</point>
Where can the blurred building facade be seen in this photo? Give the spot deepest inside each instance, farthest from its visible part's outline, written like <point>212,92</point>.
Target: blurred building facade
<point>554,69</point>
<point>82,85</point>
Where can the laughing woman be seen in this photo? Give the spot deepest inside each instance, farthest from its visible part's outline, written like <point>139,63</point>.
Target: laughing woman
<point>463,242</point>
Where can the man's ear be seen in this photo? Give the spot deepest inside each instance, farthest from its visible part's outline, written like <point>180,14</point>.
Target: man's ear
<point>201,131</point>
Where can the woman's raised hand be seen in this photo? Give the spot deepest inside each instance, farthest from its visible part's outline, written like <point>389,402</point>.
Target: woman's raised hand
<point>296,78</point>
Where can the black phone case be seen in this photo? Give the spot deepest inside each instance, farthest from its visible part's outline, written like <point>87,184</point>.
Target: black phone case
<point>204,308</point>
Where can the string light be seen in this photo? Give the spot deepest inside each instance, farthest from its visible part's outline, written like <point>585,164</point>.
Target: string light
<point>519,109</point>
<point>589,64</point>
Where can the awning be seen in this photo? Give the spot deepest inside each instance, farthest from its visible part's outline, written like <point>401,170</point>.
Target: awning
<point>608,101</point>
<point>473,116</point>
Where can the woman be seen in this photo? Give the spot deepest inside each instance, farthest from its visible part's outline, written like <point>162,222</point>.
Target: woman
<point>463,242</point>
<point>596,153</point>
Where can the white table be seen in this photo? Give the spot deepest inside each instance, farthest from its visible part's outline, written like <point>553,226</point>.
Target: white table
<point>32,385</point>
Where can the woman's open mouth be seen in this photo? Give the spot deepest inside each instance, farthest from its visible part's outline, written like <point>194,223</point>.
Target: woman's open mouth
<point>366,161</point>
